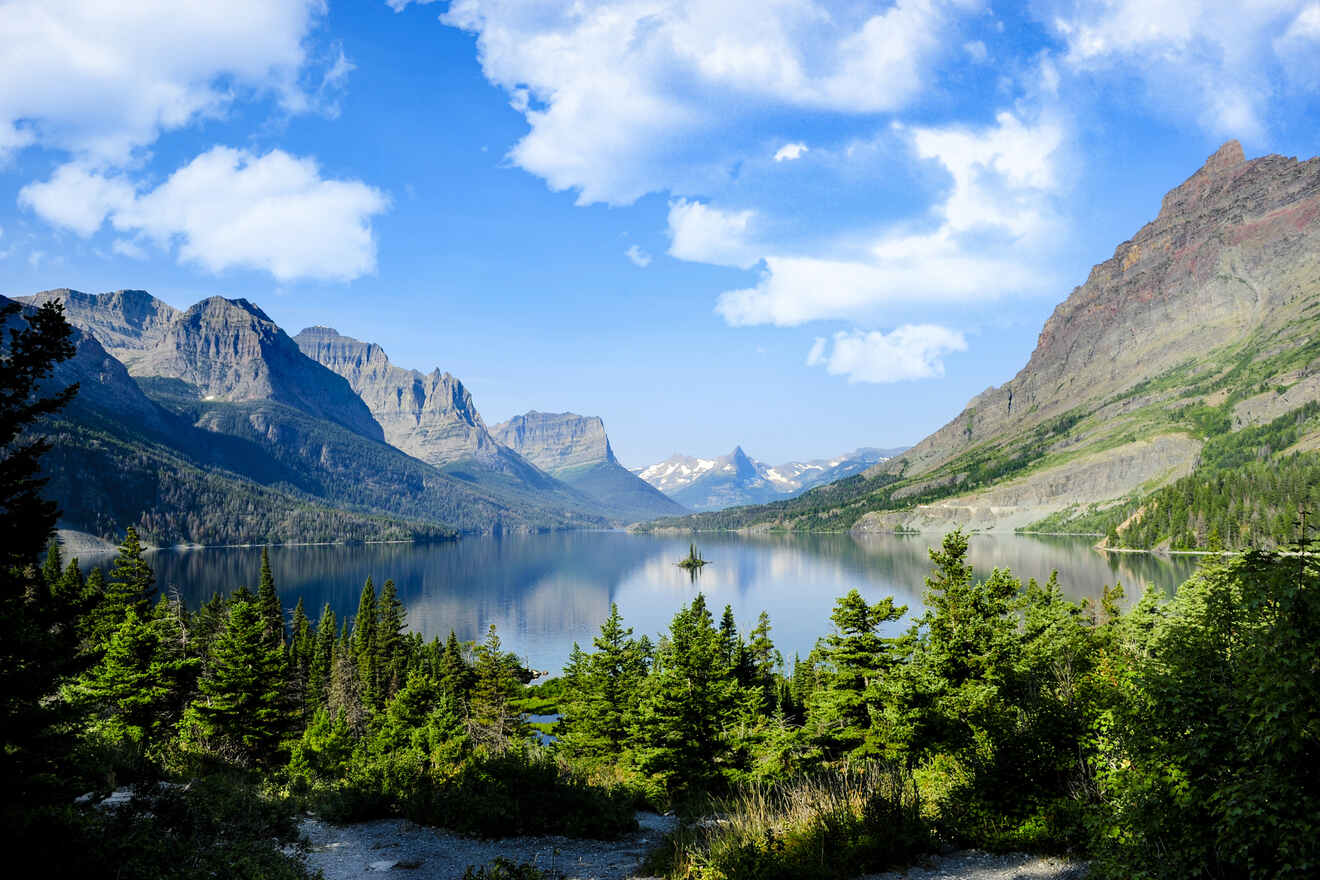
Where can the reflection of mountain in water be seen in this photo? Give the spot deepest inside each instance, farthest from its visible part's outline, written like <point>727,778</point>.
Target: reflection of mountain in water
<point>544,592</point>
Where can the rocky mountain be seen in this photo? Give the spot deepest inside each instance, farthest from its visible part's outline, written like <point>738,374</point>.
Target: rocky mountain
<point>737,479</point>
<point>1206,323</point>
<point>576,450</point>
<point>238,395</point>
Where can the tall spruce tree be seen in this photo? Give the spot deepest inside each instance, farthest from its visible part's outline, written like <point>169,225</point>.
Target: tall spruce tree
<point>131,586</point>
<point>365,628</point>
<point>38,632</point>
<point>691,705</point>
<point>389,643</point>
<point>603,690</point>
<point>850,665</point>
<point>494,720</point>
<point>241,711</point>
<point>268,602</point>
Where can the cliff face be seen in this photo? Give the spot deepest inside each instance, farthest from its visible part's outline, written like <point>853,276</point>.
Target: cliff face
<point>1232,253</point>
<point>430,416</point>
<point>577,450</point>
<point>557,442</point>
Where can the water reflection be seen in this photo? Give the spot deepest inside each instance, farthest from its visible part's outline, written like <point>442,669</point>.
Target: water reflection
<point>544,592</point>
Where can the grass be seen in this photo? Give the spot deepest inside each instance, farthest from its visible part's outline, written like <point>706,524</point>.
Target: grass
<point>834,824</point>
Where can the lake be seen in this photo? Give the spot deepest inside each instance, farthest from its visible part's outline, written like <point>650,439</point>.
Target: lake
<point>543,592</point>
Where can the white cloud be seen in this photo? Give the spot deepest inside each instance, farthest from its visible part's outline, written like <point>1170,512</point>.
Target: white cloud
<point>101,78</point>
<point>912,351</point>
<point>625,97</point>
<point>990,228</point>
<point>976,51</point>
<point>639,257</point>
<point>228,209</point>
<point>789,152</point>
<point>130,249</point>
<point>702,234</point>
<point>400,5</point>
<point>76,198</point>
<point>1220,62</point>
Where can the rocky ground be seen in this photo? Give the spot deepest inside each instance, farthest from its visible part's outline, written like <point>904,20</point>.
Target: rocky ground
<point>369,849</point>
<point>341,852</point>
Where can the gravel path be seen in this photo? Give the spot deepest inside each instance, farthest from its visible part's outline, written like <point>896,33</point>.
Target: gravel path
<point>974,865</point>
<point>371,849</point>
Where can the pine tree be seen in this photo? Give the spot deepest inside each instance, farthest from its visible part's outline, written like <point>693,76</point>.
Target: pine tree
<point>494,720</point>
<point>456,676</point>
<point>365,627</point>
<point>52,570</point>
<point>241,711</point>
<point>131,586</point>
<point>137,687</point>
<point>389,642</point>
<point>38,632</point>
<point>268,602</point>
<point>690,704</point>
<point>322,657</point>
<point>762,659</point>
<point>850,665</point>
<point>603,690</point>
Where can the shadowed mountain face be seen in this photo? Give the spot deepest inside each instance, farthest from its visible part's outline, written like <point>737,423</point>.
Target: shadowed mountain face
<point>220,349</point>
<point>576,450</point>
<point>737,479</point>
<point>232,397</point>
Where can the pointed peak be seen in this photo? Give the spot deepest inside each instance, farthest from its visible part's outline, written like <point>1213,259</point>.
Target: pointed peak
<point>1230,155</point>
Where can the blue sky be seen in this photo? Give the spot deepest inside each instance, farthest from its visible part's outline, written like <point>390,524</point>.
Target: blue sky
<point>797,226</point>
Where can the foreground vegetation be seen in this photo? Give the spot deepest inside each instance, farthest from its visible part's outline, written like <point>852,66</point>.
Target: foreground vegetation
<point>1176,739</point>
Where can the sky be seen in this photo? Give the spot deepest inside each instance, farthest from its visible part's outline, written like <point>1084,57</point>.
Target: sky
<point>798,226</point>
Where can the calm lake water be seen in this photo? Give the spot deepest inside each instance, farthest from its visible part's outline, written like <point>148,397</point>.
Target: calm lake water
<point>543,592</point>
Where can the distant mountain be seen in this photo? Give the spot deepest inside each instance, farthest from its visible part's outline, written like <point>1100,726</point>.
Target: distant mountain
<point>430,416</point>
<point>233,393</point>
<point>736,479</point>
<point>576,450</point>
<point>1193,350</point>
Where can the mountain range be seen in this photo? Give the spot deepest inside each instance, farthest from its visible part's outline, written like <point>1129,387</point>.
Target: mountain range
<point>704,484</point>
<point>1200,334</point>
<point>211,425</point>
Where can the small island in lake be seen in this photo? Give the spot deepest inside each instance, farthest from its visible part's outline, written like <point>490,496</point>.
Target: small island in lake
<point>693,562</point>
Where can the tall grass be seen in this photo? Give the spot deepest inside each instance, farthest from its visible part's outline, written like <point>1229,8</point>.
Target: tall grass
<point>832,824</point>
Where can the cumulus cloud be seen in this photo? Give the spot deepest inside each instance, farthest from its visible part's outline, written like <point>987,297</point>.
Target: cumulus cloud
<point>1215,61</point>
<point>912,351</point>
<point>101,78</point>
<point>622,96</point>
<point>789,152</point>
<point>994,217</point>
<point>640,258</point>
<point>130,249</point>
<point>702,234</point>
<point>229,208</point>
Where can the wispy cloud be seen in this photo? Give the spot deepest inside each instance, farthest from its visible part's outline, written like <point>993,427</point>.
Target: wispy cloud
<point>912,351</point>
<point>639,257</point>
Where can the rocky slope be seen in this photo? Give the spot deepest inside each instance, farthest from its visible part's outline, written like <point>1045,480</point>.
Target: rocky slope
<point>429,416</point>
<point>576,450</point>
<point>243,402</point>
<point>737,479</point>
<point>1206,321</point>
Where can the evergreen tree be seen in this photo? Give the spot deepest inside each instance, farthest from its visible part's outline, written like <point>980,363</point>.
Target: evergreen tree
<point>268,602</point>
<point>52,570</point>
<point>365,627</point>
<point>456,676</point>
<point>322,657</point>
<point>38,632</point>
<point>241,711</point>
<point>389,642</point>
<point>603,690</point>
<point>690,705</point>
<point>136,688</point>
<point>300,652</point>
<point>762,659</point>
<point>494,719</point>
<point>131,586</point>
<point>851,663</point>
